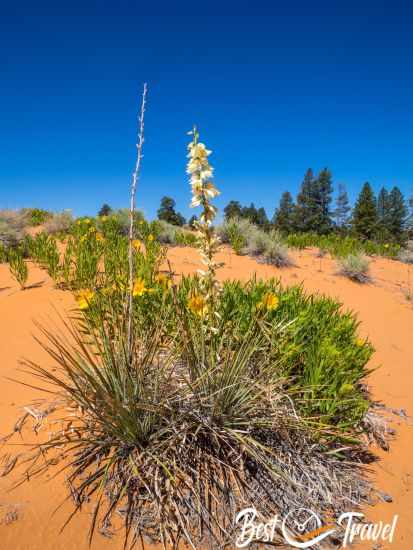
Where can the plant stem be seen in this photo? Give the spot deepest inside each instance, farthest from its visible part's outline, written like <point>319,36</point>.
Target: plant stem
<point>135,177</point>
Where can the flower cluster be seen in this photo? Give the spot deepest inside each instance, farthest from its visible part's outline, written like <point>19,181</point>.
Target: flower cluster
<point>203,191</point>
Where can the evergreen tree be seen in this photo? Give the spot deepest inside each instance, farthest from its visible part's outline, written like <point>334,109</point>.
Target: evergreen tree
<point>167,212</point>
<point>306,208</point>
<point>323,190</point>
<point>250,213</point>
<point>105,210</point>
<point>283,218</point>
<point>397,213</point>
<point>365,213</point>
<point>383,210</point>
<point>233,210</point>
<point>262,218</point>
<point>343,208</point>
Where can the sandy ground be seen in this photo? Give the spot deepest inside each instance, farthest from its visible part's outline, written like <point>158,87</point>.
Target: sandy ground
<point>386,318</point>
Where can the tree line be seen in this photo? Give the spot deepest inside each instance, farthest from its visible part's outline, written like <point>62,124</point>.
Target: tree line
<point>387,217</point>
<point>381,218</point>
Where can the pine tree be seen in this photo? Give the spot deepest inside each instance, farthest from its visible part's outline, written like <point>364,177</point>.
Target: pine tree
<point>232,210</point>
<point>306,209</point>
<point>105,210</point>
<point>250,213</point>
<point>365,213</point>
<point>343,208</point>
<point>383,210</point>
<point>397,214</point>
<point>323,191</point>
<point>262,218</point>
<point>283,218</point>
<point>167,212</point>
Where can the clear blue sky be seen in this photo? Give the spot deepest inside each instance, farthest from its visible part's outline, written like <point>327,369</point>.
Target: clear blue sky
<point>272,92</point>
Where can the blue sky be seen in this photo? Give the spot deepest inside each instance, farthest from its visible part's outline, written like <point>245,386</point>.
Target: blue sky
<point>272,92</point>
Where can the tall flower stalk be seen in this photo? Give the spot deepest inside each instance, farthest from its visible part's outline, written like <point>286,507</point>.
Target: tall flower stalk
<point>135,177</point>
<point>203,192</point>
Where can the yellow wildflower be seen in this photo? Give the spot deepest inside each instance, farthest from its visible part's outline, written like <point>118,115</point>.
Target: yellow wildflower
<point>269,302</point>
<point>139,287</point>
<point>150,237</point>
<point>163,280</point>
<point>84,298</point>
<point>100,238</point>
<point>197,304</point>
<point>386,246</point>
<point>136,243</point>
<point>359,342</point>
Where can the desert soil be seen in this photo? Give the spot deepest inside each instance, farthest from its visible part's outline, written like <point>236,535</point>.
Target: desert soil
<point>386,316</point>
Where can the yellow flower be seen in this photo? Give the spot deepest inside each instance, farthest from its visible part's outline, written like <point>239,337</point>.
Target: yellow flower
<point>100,238</point>
<point>136,243</point>
<point>84,298</point>
<point>359,342</point>
<point>163,280</point>
<point>150,238</point>
<point>197,304</point>
<point>87,221</point>
<point>386,246</point>
<point>139,287</point>
<point>269,302</point>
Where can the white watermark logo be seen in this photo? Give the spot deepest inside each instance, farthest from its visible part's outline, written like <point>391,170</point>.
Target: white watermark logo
<point>306,528</point>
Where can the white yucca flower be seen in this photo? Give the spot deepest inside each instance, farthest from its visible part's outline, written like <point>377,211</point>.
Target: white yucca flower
<point>203,191</point>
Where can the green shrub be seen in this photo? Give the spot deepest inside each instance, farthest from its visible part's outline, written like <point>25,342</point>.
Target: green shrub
<point>355,267</point>
<point>18,267</point>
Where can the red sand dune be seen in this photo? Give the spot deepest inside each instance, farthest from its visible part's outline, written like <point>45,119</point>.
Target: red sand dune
<point>386,318</point>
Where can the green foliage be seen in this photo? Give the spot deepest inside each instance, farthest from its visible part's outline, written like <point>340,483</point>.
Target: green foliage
<point>233,210</point>
<point>105,210</point>
<point>284,216</point>
<point>18,267</point>
<point>343,209</point>
<point>167,212</point>
<point>38,216</point>
<point>313,203</point>
<point>365,213</point>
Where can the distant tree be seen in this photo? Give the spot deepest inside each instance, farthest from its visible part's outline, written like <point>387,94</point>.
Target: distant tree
<point>167,212</point>
<point>397,214</point>
<point>250,213</point>
<point>262,218</point>
<point>365,213</point>
<point>383,210</point>
<point>105,210</point>
<point>283,218</point>
<point>191,221</point>
<point>323,196</point>
<point>343,208</point>
<point>307,207</point>
<point>233,210</point>
<point>410,219</point>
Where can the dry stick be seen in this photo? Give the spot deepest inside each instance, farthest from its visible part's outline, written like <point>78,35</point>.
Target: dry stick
<point>135,178</point>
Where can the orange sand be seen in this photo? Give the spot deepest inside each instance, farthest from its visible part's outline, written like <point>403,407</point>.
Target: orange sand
<point>386,317</point>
